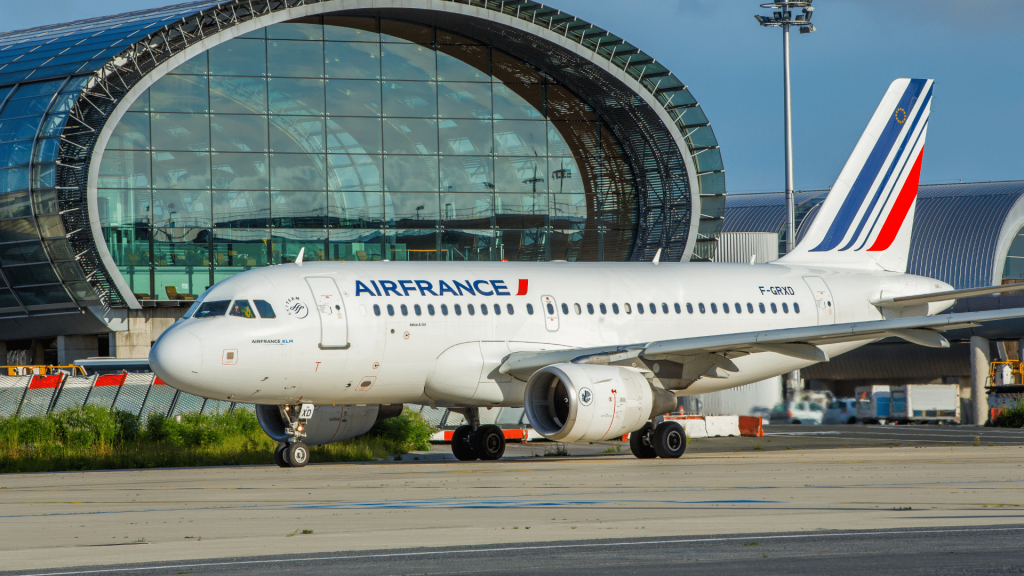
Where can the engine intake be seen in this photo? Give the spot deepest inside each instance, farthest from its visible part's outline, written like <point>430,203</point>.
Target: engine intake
<point>587,403</point>
<point>329,423</point>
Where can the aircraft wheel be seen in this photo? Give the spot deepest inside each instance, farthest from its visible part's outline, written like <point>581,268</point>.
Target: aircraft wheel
<point>297,454</point>
<point>639,443</point>
<point>489,442</point>
<point>462,447</point>
<point>279,457</point>
<point>669,440</point>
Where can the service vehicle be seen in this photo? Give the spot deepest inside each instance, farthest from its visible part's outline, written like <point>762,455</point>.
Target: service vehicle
<point>800,412</point>
<point>872,403</point>
<point>841,411</point>
<point>920,403</point>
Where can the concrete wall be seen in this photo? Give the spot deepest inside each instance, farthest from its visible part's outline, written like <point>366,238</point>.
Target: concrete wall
<point>144,327</point>
<point>71,348</point>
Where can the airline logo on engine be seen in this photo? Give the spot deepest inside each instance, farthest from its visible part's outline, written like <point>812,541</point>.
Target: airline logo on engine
<point>439,288</point>
<point>586,396</point>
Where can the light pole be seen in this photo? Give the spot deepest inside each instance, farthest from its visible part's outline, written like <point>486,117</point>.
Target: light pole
<point>782,16</point>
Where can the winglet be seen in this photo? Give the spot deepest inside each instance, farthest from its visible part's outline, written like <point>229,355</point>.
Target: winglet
<point>298,260</point>
<point>657,257</point>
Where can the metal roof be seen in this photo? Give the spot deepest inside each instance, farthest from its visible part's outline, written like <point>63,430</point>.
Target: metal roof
<point>958,228</point>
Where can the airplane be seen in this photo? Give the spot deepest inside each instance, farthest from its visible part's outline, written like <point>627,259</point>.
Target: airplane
<point>593,351</point>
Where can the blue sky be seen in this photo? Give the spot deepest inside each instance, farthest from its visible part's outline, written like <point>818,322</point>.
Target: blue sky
<point>974,50</point>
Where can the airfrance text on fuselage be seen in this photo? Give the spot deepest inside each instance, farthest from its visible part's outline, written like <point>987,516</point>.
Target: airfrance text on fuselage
<point>440,288</point>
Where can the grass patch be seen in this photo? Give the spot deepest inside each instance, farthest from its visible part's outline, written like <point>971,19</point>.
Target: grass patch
<point>559,449</point>
<point>96,438</point>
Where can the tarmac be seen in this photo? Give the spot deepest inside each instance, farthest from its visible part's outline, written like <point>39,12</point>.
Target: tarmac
<point>795,480</point>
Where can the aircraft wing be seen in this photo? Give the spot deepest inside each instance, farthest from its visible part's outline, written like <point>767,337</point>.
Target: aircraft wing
<point>800,343</point>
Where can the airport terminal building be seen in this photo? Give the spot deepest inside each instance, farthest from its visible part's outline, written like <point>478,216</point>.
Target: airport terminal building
<point>146,156</point>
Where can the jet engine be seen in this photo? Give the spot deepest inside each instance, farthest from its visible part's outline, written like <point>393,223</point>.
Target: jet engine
<point>587,403</point>
<point>329,423</point>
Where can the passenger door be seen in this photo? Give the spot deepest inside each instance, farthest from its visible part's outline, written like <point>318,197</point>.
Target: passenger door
<point>331,309</point>
<point>550,310</point>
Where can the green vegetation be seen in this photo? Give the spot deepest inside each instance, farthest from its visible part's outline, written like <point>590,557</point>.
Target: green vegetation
<point>1012,417</point>
<point>95,438</point>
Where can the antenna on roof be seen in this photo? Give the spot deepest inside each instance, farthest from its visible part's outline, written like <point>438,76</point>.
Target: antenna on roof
<point>298,259</point>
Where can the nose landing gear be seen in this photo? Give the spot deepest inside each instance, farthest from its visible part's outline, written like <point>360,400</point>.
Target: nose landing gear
<point>293,453</point>
<point>476,442</point>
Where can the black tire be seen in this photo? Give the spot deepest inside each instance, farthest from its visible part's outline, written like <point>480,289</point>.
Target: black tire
<point>853,420</point>
<point>279,457</point>
<point>489,442</point>
<point>297,455</point>
<point>639,443</point>
<point>462,447</point>
<point>795,421</point>
<point>669,440</point>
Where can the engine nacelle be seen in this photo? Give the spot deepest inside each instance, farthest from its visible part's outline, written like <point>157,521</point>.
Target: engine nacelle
<point>587,403</point>
<point>329,423</point>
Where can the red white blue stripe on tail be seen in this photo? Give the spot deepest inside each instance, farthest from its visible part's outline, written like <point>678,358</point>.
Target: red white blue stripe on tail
<point>865,221</point>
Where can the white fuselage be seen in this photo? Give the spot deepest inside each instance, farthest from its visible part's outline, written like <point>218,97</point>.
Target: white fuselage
<point>324,351</point>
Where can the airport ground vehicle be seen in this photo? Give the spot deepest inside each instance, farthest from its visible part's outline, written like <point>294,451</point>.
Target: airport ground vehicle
<point>592,351</point>
<point>841,411</point>
<point>108,365</point>
<point>873,404</point>
<point>800,412</point>
<point>918,403</point>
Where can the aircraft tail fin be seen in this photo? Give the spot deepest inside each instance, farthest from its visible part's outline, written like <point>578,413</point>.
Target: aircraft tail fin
<point>867,217</point>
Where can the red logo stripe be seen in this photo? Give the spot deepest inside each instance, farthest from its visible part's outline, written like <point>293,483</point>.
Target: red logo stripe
<point>900,209</point>
<point>523,284</point>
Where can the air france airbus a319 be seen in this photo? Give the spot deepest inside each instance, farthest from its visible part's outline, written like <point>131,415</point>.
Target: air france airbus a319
<point>593,351</point>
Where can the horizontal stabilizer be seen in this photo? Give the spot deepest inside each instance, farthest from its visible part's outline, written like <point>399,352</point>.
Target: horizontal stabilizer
<point>904,301</point>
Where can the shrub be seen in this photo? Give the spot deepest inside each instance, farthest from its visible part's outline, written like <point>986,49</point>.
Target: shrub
<point>1012,417</point>
<point>409,430</point>
<point>84,426</point>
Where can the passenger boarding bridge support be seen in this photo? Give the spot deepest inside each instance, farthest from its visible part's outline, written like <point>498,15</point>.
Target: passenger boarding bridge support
<point>981,358</point>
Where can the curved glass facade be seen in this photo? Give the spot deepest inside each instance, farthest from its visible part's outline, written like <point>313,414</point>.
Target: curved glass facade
<point>356,139</point>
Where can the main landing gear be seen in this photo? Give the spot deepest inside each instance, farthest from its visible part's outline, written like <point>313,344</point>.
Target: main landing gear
<point>293,453</point>
<point>666,440</point>
<point>475,442</point>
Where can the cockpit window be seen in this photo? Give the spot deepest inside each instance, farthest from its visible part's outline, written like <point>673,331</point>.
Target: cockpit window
<point>265,309</point>
<point>211,309</point>
<point>192,309</point>
<point>242,309</point>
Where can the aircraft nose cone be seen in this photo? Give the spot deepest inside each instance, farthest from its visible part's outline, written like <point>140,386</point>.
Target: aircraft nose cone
<point>177,356</point>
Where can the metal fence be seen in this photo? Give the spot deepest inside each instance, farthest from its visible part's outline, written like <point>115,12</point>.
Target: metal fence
<point>144,394</point>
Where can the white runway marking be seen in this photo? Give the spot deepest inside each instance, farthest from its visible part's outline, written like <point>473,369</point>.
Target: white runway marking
<point>535,548</point>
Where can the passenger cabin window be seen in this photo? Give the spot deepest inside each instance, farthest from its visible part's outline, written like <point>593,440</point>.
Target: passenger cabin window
<point>470,309</point>
<point>458,310</point>
<point>739,309</point>
<point>640,308</point>
<point>529,309</point>
<point>565,308</point>
<point>775,310</point>
<point>654,309</point>
<point>497,309</point>
<point>761,307</point>
<point>444,309</point>
<point>391,310</point>
<point>785,308</point>
<point>430,309</point>
<point>577,308</point>
<point>376,309</point>
<point>590,308</point>
<point>664,308</point>
<point>483,310</point>
<point>796,308</point>
<point>510,309</point>
<point>725,307</point>
<point>211,309</point>
<point>714,308</point>
<point>700,307</point>
<point>242,309</point>
<point>678,309</point>
<point>405,310</point>
<point>551,309</point>
<point>604,309</point>
<point>750,307</point>
<point>265,309</point>
<point>628,309</point>
<point>416,308</point>
<point>689,308</point>
<point>615,308</point>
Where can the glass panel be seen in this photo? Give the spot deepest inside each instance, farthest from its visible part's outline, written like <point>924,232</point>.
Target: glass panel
<point>298,209</point>
<point>469,245</point>
<point>411,210</point>
<point>189,170</point>
<point>25,107</point>
<point>248,209</point>
<point>462,63</point>
<point>131,133</point>
<point>295,58</point>
<point>42,295</point>
<point>182,283</point>
<point>568,245</point>
<point>245,248</point>
<point>467,174</point>
<point>572,139</point>
<point>354,135</point>
<point>408,62</point>
<point>53,125</point>
<point>138,280</point>
<point>50,226</point>
<point>181,132</point>
<point>181,246</point>
<point>355,172</point>
<point>239,57</point>
<point>16,153</point>
<point>520,174</point>
<point>410,173</point>
<point>355,245</point>
<point>59,249</point>
<point>44,176</point>
<point>564,105</point>
<point>516,211</point>
<point>303,97</point>
<point>569,210</point>
<point>240,171</point>
<point>128,246</point>
<point>308,28</point>
<point>13,179</point>
<point>464,100</point>
<point>410,99</point>
<point>37,89</point>
<point>411,245</point>
<point>15,204</point>
<point>296,134</point>
<point>123,207</point>
<point>397,31</point>
<point>297,172</point>
<point>24,253</point>
<point>19,129</point>
<point>350,29</point>
<point>352,60</point>
<point>16,230</point>
<point>180,94</point>
<point>181,208</point>
<point>7,299</point>
<point>509,69</point>
<point>470,137</point>
<point>356,209</point>
<point>45,201</point>
<point>141,104</point>
<point>410,136</point>
<point>239,133</point>
<point>287,244</point>
<point>238,95</point>
<point>69,272</point>
<point>467,211</point>
<point>82,291</point>
<point>353,97</point>
<point>32,274</point>
<point>519,138</point>
<point>523,245</point>
<point>194,65</point>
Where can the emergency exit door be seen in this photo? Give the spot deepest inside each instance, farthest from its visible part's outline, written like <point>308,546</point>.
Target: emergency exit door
<point>331,310</point>
<point>822,300</point>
